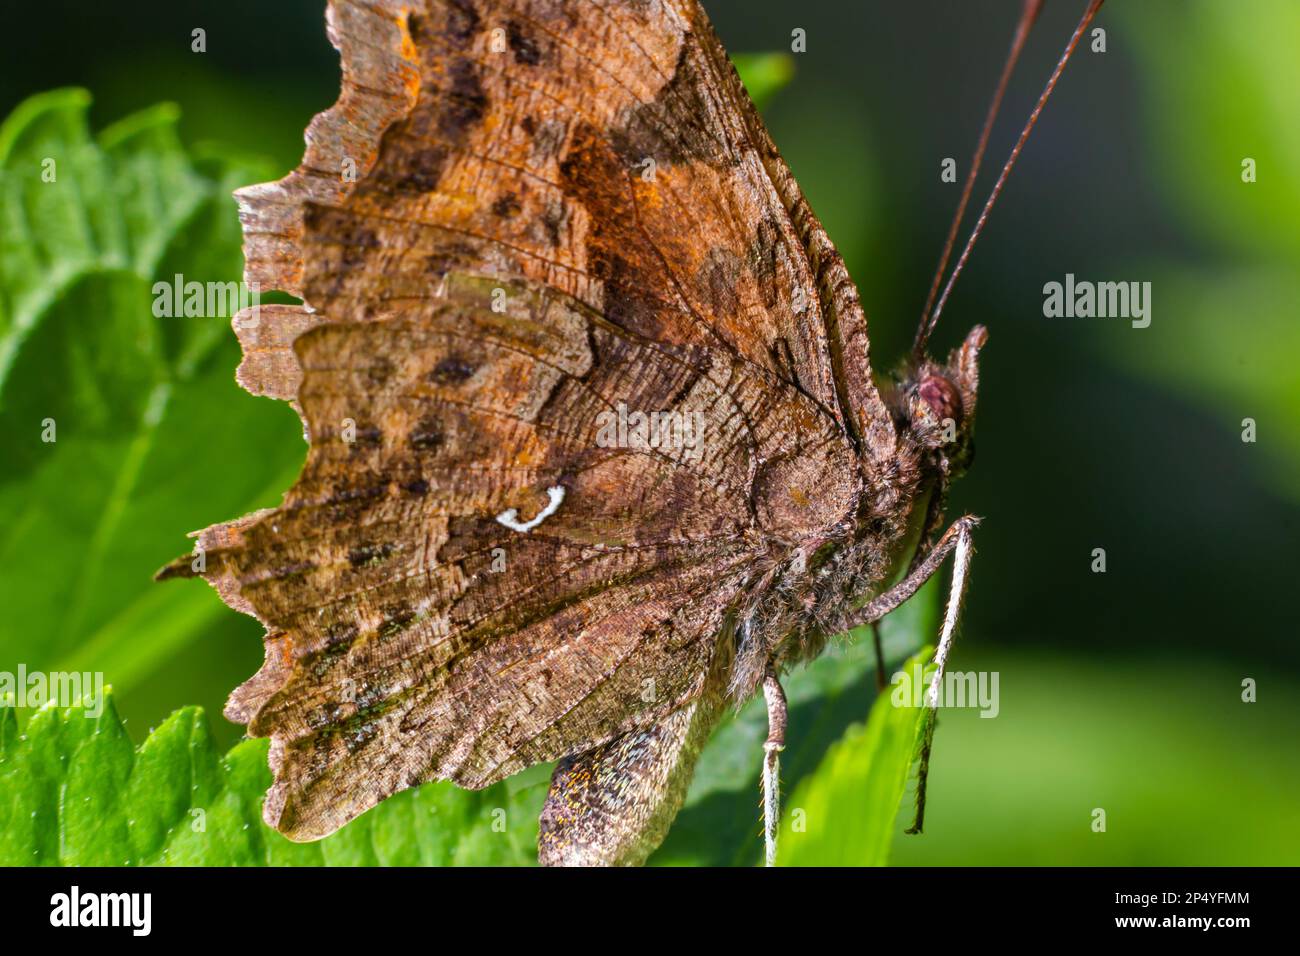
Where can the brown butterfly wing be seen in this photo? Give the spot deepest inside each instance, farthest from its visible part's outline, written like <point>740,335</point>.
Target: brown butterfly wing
<point>500,273</point>
<point>605,149</point>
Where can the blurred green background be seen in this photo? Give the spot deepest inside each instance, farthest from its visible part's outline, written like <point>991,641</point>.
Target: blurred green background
<point>1119,690</point>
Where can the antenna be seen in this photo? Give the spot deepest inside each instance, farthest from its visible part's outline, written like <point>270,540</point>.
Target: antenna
<point>1028,15</point>
<point>928,324</point>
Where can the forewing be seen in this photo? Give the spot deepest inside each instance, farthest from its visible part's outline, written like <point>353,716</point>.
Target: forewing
<point>605,148</point>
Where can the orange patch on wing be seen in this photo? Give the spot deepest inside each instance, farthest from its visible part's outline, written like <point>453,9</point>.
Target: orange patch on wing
<point>411,77</point>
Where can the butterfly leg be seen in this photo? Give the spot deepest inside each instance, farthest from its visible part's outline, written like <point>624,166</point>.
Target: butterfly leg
<point>880,656</point>
<point>875,609</point>
<point>776,721</point>
<point>957,541</point>
<point>956,594</point>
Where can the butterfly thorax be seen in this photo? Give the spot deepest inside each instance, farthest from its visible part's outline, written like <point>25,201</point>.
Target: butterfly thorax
<point>814,594</point>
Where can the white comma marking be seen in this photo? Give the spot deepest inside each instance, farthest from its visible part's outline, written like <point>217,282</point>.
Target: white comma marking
<point>510,517</point>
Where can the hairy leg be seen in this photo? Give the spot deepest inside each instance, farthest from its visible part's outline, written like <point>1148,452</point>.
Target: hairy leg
<point>776,721</point>
<point>957,541</point>
<point>956,594</point>
<point>883,604</point>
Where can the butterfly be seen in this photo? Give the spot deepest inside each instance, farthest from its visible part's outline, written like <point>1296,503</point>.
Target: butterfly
<point>596,448</point>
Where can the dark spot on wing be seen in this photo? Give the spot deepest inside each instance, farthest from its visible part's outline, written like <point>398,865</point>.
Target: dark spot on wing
<point>340,633</point>
<point>396,619</point>
<point>462,22</point>
<point>426,436</point>
<point>554,220</point>
<point>452,370</point>
<point>359,729</point>
<point>525,47</point>
<point>506,206</point>
<point>419,487</point>
<point>369,555</point>
<point>408,162</point>
<point>406,166</point>
<point>346,495</point>
<point>379,371</point>
<point>367,435</point>
<point>464,100</point>
<point>451,257</point>
<point>625,304</point>
<point>349,504</point>
<point>357,245</point>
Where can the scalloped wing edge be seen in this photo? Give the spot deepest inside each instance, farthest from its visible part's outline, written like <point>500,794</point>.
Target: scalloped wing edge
<point>379,86</point>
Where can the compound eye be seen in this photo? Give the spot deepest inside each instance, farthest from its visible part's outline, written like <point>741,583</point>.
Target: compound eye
<point>942,397</point>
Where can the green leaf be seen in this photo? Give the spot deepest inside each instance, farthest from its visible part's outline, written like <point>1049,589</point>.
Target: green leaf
<point>73,791</point>
<point>151,436</point>
<point>845,813</point>
<point>764,74</point>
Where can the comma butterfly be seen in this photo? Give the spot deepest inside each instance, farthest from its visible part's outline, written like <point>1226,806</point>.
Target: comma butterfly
<point>596,447</point>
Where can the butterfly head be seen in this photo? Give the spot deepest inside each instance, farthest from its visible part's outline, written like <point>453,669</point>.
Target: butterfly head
<point>935,404</point>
